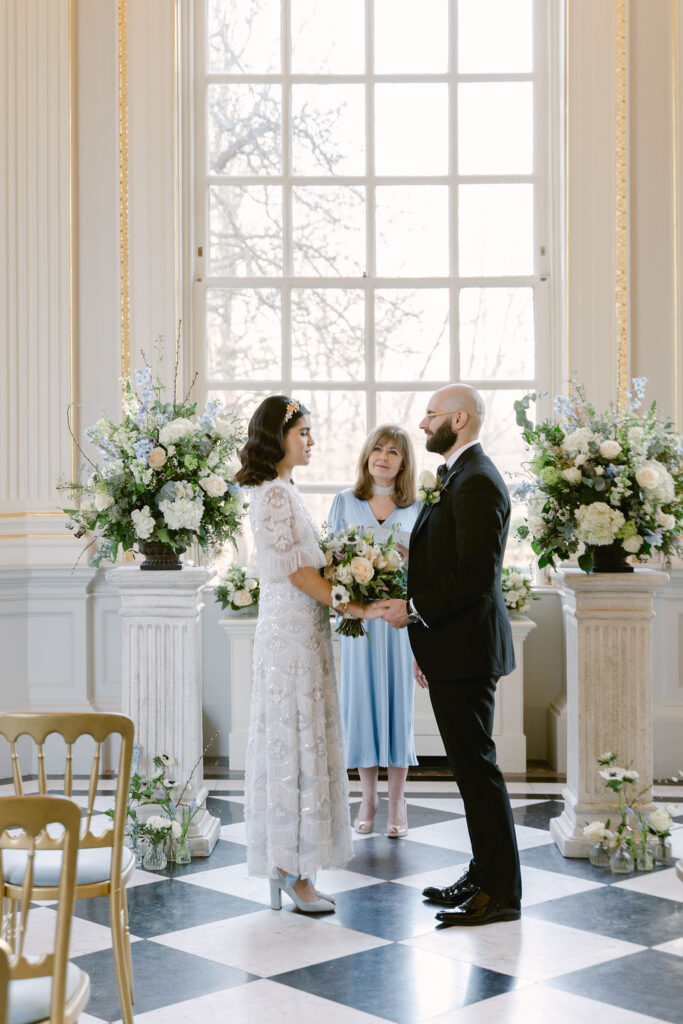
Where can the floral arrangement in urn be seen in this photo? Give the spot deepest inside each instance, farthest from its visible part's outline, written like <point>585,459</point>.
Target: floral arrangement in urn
<point>516,590</point>
<point>235,588</point>
<point>164,476</point>
<point>611,482</point>
<point>360,569</point>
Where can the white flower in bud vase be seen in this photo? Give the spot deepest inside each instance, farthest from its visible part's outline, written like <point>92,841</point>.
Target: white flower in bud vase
<point>242,598</point>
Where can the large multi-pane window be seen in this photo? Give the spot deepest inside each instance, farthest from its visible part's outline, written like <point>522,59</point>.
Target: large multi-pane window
<point>371,183</point>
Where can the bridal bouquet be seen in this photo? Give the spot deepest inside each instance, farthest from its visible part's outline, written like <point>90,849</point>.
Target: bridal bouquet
<point>164,474</point>
<point>602,479</point>
<point>361,570</point>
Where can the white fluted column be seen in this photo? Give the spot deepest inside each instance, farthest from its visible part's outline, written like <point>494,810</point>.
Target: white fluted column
<point>240,630</point>
<point>162,675</point>
<point>608,633</point>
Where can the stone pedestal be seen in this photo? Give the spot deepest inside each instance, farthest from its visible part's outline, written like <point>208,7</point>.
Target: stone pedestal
<point>162,677</point>
<point>240,630</point>
<point>608,635</point>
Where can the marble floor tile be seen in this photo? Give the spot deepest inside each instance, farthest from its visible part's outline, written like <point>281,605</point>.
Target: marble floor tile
<point>388,858</point>
<point>270,941</point>
<point>664,883</point>
<point>619,913</point>
<point>529,948</point>
<point>454,835</point>
<point>675,947</point>
<point>536,1004</point>
<point>86,936</point>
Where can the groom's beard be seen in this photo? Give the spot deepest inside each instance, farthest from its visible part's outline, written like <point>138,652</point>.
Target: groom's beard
<point>442,439</point>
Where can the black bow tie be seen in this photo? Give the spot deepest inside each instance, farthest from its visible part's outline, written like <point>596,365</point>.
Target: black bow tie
<point>441,471</point>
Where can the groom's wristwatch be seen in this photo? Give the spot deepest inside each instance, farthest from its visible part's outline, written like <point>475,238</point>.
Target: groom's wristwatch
<point>413,615</point>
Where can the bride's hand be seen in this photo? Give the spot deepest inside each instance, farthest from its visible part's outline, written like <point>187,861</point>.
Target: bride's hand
<point>373,610</point>
<point>402,550</point>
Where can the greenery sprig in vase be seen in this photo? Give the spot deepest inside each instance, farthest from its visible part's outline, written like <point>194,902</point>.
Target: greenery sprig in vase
<point>165,474</point>
<point>611,480</point>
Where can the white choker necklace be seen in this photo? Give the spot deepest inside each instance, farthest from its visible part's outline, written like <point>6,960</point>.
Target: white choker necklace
<point>376,489</point>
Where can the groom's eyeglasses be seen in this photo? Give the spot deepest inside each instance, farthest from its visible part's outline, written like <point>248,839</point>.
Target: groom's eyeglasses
<point>432,415</point>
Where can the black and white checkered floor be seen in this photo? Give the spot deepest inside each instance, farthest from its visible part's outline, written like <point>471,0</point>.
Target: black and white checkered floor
<point>590,947</point>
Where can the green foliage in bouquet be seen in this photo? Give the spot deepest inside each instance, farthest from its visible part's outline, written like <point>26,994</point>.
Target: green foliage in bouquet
<point>164,475</point>
<point>360,569</point>
<point>600,479</point>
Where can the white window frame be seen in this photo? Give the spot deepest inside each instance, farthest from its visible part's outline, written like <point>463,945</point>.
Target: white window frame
<point>547,279</point>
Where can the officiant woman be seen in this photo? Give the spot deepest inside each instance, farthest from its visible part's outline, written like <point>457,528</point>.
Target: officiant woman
<point>377,683</point>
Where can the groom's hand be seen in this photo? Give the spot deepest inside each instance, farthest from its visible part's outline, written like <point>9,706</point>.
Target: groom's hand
<point>395,612</point>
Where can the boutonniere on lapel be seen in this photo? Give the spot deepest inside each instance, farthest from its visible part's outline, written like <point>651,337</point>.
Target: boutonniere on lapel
<point>429,488</point>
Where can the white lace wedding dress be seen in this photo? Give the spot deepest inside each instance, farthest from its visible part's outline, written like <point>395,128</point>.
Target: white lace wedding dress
<point>296,805</point>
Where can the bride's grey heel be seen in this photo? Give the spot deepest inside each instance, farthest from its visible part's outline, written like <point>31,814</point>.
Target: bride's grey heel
<point>279,885</point>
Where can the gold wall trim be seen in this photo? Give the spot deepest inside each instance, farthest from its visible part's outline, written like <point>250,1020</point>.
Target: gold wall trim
<point>124,254</point>
<point>621,207</point>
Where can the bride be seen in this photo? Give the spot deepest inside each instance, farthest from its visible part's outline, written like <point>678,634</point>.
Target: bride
<point>296,791</point>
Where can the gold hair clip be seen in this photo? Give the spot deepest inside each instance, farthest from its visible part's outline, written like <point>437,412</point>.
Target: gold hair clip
<point>290,409</point>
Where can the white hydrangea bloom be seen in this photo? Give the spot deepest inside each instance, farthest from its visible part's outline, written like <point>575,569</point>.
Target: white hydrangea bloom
<point>597,523</point>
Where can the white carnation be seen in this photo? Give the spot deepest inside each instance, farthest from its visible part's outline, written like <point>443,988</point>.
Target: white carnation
<point>610,449</point>
<point>598,523</point>
<point>103,501</point>
<point>572,475</point>
<point>427,480</point>
<point>143,520</point>
<point>578,440</point>
<point>176,430</point>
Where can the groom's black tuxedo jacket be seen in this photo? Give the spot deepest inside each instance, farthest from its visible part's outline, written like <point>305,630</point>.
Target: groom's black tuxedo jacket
<point>454,568</point>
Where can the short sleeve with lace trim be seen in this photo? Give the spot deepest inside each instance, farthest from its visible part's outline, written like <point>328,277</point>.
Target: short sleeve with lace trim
<point>284,533</point>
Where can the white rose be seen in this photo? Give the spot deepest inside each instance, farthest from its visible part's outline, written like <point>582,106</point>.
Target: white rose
<point>659,820</point>
<point>394,559</point>
<point>572,475</point>
<point>103,501</point>
<point>223,427</point>
<point>362,569</point>
<point>214,485</point>
<point>143,520</point>
<point>156,458</point>
<point>666,521</point>
<point>578,440</point>
<point>250,584</point>
<point>610,449</point>
<point>647,476</point>
<point>427,480</point>
<point>632,544</point>
<point>599,470</point>
<point>176,430</point>
<point>242,598</point>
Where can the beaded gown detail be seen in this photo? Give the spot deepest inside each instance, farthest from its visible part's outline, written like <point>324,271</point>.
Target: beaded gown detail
<point>296,788</point>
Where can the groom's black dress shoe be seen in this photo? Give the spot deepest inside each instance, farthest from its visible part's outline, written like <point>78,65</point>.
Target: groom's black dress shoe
<point>480,908</point>
<point>452,895</point>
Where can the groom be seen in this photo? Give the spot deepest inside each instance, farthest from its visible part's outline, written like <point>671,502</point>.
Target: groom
<point>461,638</point>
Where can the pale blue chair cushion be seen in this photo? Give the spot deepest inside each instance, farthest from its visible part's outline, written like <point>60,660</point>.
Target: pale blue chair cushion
<point>29,998</point>
<point>92,866</point>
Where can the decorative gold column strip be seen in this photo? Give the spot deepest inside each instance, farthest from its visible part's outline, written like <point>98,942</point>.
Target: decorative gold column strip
<point>123,188</point>
<point>621,208</point>
<point>675,171</point>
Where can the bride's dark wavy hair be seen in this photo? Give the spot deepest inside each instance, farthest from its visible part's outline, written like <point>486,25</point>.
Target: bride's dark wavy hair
<point>265,444</point>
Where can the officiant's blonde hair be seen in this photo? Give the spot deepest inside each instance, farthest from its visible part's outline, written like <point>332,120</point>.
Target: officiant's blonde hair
<point>405,488</point>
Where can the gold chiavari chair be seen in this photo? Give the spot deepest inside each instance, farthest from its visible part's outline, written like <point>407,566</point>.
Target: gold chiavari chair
<point>104,864</point>
<point>46,988</point>
<point>5,954</point>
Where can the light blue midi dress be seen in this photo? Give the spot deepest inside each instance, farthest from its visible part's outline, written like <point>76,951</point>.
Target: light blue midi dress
<point>377,683</point>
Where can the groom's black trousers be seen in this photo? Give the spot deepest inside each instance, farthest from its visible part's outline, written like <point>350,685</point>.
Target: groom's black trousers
<point>464,714</point>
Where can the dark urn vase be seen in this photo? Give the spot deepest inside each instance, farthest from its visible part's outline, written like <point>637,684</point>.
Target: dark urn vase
<point>611,558</point>
<point>159,556</point>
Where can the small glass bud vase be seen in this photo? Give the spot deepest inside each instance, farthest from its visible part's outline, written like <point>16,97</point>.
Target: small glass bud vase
<point>599,855</point>
<point>662,853</point>
<point>180,851</point>
<point>621,861</point>
<point>644,860</point>
<point>155,858</point>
